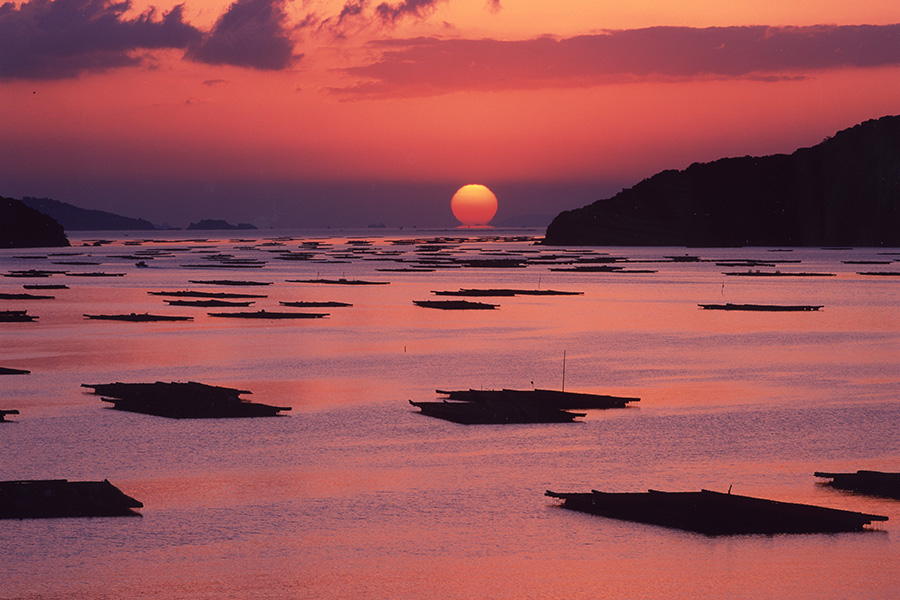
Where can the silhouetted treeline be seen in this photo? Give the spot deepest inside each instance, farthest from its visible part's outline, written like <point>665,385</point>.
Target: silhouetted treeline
<point>844,191</point>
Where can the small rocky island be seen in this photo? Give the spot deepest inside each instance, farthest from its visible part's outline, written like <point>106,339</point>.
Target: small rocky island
<point>218,224</point>
<point>24,227</point>
<point>844,191</point>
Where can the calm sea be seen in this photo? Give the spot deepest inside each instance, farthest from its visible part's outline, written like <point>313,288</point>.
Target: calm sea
<point>356,495</point>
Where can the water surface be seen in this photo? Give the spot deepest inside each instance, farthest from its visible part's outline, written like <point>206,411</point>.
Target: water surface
<point>356,495</point>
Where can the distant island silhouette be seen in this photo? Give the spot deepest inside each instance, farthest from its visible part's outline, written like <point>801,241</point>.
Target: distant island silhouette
<point>216,224</point>
<point>844,191</point>
<point>73,218</point>
<point>24,227</point>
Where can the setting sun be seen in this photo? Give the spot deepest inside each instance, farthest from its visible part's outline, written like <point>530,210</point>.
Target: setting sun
<point>474,205</point>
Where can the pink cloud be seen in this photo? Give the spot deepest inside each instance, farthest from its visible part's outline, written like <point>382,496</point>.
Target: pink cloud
<point>427,66</point>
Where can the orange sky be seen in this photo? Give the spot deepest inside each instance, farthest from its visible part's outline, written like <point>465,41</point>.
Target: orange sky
<point>313,113</point>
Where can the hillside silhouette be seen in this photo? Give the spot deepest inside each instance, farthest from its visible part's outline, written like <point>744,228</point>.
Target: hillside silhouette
<point>24,227</point>
<point>73,218</point>
<point>844,191</point>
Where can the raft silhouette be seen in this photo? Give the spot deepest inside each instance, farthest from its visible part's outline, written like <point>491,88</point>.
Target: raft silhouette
<point>762,307</point>
<point>175,400</point>
<point>56,498</point>
<point>266,314</point>
<point>715,513</point>
<point>454,304</point>
<point>486,407</point>
<point>8,411</point>
<point>16,316</point>
<point>138,317</point>
<point>873,483</point>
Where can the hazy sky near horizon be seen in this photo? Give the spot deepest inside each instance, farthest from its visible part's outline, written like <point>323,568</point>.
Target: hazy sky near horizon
<point>313,113</point>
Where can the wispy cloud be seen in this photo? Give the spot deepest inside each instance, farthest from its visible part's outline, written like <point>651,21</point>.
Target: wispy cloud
<point>391,13</point>
<point>353,8</point>
<point>55,39</point>
<point>428,66</point>
<point>251,33</point>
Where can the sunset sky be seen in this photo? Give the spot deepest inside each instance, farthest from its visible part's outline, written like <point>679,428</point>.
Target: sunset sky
<point>307,113</point>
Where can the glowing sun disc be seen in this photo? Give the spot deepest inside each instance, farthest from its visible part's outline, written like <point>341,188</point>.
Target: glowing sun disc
<point>474,205</point>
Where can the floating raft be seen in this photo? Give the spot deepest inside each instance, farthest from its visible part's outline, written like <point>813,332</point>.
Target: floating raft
<point>454,304</point>
<point>503,292</point>
<point>25,296</point>
<point>210,303</point>
<point>315,304</point>
<point>492,413</point>
<point>555,399</point>
<point>265,314</point>
<point>182,400</point>
<point>138,317</point>
<point>198,294</point>
<point>45,286</point>
<point>715,513</point>
<point>600,269</point>
<point>233,282</point>
<point>7,411</point>
<point>16,316</point>
<point>761,307</point>
<point>487,407</point>
<point>873,483</point>
<point>776,274</point>
<point>33,273</point>
<point>340,281</point>
<point>54,498</point>
<point>11,371</point>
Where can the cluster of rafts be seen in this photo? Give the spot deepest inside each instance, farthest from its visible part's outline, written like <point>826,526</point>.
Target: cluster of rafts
<point>35,499</point>
<point>483,293</point>
<point>706,512</point>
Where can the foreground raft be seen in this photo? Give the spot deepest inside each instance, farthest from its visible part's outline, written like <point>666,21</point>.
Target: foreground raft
<point>454,304</point>
<point>266,314</point>
<point>189,400</point>
<point>16,316</point>
<point>138,318</point>
<point>54,498</point>
<point>11,371</point>
<point>873,483</point>
<point>762,307</point>
<point>487,407</point>
<point>503,292</point>
<point>715,513</point>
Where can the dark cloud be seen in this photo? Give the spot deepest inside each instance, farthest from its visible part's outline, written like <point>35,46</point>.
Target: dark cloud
<point>391,13</point>
<point>251,33</point>
<point>425,66</point>
<point>353,8</point>
<point>53,39</point>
